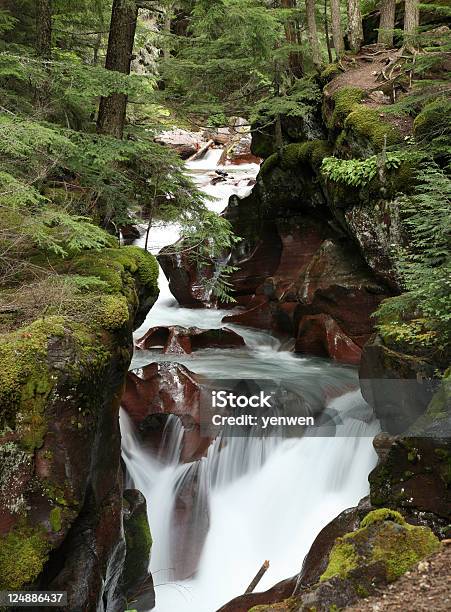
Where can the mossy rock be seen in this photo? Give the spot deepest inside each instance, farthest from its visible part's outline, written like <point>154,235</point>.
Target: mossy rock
<point>345,100</point>
<point>434,119</point>
<point>287,605</point>
<point>385,537</point>
<point>309,152</point>
<point>109,265</point>
<point>330,72</point>
<point>138,541</point>
<point>370,124</point>
<point>23,552</point>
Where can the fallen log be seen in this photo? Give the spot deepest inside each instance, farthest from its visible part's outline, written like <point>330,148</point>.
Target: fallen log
<point>201,152</point>
<point>257,578</point>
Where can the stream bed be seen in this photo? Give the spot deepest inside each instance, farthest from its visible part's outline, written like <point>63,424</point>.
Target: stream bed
<point>253,498</point>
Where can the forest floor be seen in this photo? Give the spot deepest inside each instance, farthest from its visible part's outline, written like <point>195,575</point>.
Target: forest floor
<point>427,587</point>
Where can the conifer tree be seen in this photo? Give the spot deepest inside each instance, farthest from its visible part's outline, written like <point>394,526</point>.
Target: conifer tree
<point>411,22</point>
<point>387,22</point>
<point>113,108</point>
<point>313,33</point>
<point>337,32</point>
<point>355,30</point>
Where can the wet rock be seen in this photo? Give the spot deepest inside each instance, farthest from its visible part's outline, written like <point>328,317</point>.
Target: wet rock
<point>180,340</point>
<point>129,233</point>
<point>399,387</point>
<point>238,151</point>
<point>316,560</point>
<point>321,336</point>
<point>190,523</point>
<point>61,520</point>
<point>184,143</point>
<point>136,579</point>
<point>167,388</point>
<point>414,478</point>
<point>275,594</point>
<point>186,278</point>
<point>257,314</point>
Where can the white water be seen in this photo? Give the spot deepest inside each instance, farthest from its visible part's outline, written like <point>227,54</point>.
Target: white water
<point>266,498</point>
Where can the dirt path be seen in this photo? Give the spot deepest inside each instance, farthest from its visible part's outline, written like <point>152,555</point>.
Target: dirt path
<point>427,588</point>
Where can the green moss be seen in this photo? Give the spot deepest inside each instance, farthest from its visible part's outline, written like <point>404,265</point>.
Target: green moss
<point>384,536</point>
<point>269,164</point>
<point>148,269</point>
<point>25,380</point>
<point>320,150</point>
<point>383,514</point>
<point>139,543</point>
<point>23,552</point>
<point>55,519</point>
<point>298,153</point>
<point>112,312</point>
<point>430,117</point>
<point>110,265</point>
<point>343,558</point>
<point>345,100</point>
<point>367,122</point>
<point>400,552</point>
<point>330,72</point>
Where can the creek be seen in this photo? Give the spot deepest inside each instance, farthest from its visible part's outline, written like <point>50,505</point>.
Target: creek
<point>253,498</point>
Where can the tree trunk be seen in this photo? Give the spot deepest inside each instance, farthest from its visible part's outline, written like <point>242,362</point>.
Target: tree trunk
<point>337,33</point>
<point>326,32</point>
<point>292,34</point>
<point>112,109</point>
<point>411,22</point>
<point>167,33</point>
<point>355,30</point>
<point>386,22</point>
<point>312,32</point>
<point>44,28</point>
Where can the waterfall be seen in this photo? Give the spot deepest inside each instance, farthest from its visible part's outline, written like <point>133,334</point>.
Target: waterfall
<point>251,498</point>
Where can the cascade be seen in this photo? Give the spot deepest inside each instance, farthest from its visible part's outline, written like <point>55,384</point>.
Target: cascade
<point>262,498</point>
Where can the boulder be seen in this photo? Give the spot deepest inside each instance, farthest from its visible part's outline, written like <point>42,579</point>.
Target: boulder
<point>316,560</point>
<point>380,550</point>
<point>184,143</point>
<point>137,583</point>
<point>186,278</point>
<point>399,387</point>
<point>414,478</point>
<point>167,388</point>
<point>60,387</point>
<point>321,336</point>
<point>179,340</point>
<point>275,594</point>
<point>238,151</point>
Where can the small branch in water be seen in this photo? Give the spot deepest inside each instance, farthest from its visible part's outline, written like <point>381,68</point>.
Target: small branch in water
<point>257,578</point>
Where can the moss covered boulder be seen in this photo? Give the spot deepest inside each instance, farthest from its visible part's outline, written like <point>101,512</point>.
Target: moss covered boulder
<point>383,537</point>
<point>136,579</point>
<point>61,381</point>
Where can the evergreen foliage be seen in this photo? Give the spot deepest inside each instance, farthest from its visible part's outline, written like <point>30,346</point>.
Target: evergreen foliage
<point>423,313</point>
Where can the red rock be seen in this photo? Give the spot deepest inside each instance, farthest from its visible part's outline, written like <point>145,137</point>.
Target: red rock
<point>167,388</point>
<point>258,314</point>
<point>180,340</point>
<point>184,143</point>
<point>190,523</point>
<point>186,279</point>
<point>277,593</point>
<point>321,336</point>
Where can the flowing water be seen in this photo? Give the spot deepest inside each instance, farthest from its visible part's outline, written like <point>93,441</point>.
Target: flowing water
<point>266,498</point>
